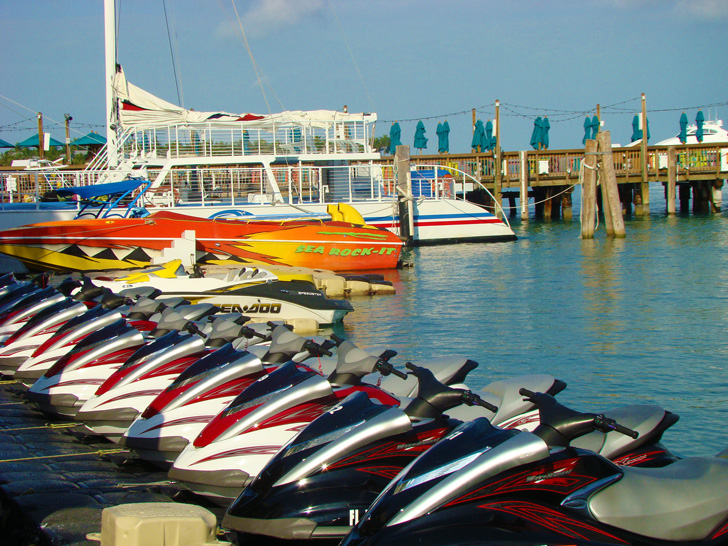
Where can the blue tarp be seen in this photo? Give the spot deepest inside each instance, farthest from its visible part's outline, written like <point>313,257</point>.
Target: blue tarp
<point>99,190</point>
<point>114,193</point>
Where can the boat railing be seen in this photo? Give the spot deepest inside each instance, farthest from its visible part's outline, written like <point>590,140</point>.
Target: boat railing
<point>33,185</point>
<point>240,141</point>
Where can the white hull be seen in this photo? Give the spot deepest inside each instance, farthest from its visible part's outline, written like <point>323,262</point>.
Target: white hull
<point>435,221</point>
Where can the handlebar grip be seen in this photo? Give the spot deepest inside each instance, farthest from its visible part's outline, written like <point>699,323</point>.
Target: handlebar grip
<point>627,431</point>
<point>389,353</point>
<point>487,405</point>
<point>525,392</point>
<point>399,374</point>
<point>411,366</point>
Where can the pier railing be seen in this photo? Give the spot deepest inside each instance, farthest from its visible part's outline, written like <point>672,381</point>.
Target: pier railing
<point>561,167</point>
<point>304,182</point>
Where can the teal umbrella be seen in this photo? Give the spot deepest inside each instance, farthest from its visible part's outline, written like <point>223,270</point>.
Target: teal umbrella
<point>683,136</point>
<point>6,144</point>
<point>545,127</point>
<point>32,142</point>
<point>420,139</point>
<point>636,131</point>
<point>443,137</point>
<point>91,139</point>
<point>537,133</point>
<point>479,142</point>
<point>489,138</point>
<point>595,126</point>
<point>699,120</point>
<point>587,130</point>
<point>395,134</point>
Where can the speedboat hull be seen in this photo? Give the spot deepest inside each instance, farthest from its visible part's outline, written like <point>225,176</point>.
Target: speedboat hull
<point>125,243</point>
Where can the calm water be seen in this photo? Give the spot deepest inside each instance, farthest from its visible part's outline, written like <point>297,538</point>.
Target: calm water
<point>638,320</point>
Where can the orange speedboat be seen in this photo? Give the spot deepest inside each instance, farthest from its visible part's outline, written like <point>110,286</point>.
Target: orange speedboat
<point>124,243</point>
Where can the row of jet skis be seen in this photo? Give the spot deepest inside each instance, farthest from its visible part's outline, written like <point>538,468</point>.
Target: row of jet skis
<point>309,438</point>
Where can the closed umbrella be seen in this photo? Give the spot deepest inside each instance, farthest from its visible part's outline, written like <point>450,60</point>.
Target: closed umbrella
<point>636,131</point>
<point>420,139</point>
<point>683,136</point>
<point>699,120</point>
<point>489,138</point>
<point>587,130</point>
<point>595,126</point>
<point>395,133</point>
<point>443,137</point>
<point>545,127</point>
<point>478,143</point>
<point>537,133</point>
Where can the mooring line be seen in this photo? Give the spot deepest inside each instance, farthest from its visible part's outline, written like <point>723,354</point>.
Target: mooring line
<point>100,452</point>
<point>47,425</point>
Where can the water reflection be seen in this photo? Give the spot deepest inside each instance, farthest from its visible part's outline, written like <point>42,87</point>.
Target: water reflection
<point>640,319</point>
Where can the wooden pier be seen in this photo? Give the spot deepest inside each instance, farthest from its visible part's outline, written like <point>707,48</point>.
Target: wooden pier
<point>548,177</point>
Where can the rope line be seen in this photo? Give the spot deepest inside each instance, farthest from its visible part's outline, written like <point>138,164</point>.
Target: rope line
<point>100,452</point>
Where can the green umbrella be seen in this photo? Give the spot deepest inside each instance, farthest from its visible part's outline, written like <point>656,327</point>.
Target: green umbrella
<point>683,136</point>
<point>587,130</point>
<point>443,137</point>
<point>537,133</point>
<point>699,120</point>
<point>91,139</point>
<point>489,138</point>
<point>6,144</point>
<point>479,143</point>
<point>395,133</point>
<point>420,139</point>
<point>636,131</point>
<point>595,126</point>
<point>545,127</point>
<point>31,142</point>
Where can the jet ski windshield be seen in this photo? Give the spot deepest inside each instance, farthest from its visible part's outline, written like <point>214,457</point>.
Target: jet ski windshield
<point>353,411</point>
<point>145,352</point>
<point>206,366</point>
<point>268,387</point>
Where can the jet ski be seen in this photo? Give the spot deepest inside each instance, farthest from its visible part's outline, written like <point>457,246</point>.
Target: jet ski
<point>180,412</point>
<point>21,345</point>
<point>322,482</point>
<point>130,389</point>
<point>254,292</point>
<point>234,446</point>
<point>76,375</point>
<point>519,487</point>
<point>138,314</point>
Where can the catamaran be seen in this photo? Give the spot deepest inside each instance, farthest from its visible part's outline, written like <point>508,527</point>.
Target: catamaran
<point>258,166</point>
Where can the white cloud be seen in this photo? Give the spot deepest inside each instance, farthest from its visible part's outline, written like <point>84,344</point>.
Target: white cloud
<point>273,15</point>
<point>709,10</point>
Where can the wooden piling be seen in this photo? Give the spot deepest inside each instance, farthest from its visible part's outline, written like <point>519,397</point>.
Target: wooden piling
<point>717,199</point>
<point>523,197</point>
<point>609,183</point>
<point>671,179</point>
<point>404,193</point>
<point>644,190</point>
<point>589,190</point>
<point>497,195</point>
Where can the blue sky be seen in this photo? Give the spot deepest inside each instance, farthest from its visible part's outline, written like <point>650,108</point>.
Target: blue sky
<point>406,60</point>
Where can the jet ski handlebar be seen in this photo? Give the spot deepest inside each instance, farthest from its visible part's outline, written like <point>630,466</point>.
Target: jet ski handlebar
<point>316,349</point>
<point>559,424</point>
<point>434,398</point>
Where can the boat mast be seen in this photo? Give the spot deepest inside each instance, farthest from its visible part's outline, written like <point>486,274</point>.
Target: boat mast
<point>110,64</point>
